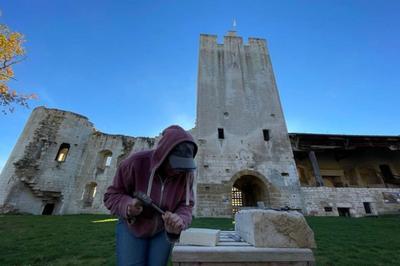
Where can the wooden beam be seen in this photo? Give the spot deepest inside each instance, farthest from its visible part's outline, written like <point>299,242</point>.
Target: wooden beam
<point>316,170</point>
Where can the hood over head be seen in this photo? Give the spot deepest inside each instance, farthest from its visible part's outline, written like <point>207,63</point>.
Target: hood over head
<point>170,138</point>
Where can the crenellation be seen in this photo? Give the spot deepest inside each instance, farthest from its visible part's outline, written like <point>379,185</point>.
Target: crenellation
<point>208,41</point>
<point>232,40</point>
<point>212,40</point>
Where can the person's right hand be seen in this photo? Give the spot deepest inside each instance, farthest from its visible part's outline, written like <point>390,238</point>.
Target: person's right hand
<point>134,208</point>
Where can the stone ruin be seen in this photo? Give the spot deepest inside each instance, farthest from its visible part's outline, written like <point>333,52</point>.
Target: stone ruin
<point>247,159</point>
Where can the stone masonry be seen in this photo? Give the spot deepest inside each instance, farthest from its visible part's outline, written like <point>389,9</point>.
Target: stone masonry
<point>240,127</point>
<point>325,201</point>
<point>32,178</point>
<point>62,165</point>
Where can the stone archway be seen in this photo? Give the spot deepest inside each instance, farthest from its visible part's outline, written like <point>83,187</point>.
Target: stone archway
<point>249,189</point>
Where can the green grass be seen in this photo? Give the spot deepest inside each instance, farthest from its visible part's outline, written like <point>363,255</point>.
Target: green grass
<point>56,240</point>
<point>357,241</point>
<point>77,240</point>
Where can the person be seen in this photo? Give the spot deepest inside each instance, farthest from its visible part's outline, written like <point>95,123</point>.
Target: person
<point>165,174</point>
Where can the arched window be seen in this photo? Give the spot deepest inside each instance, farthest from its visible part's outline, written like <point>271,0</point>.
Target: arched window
<point>88,194</point>
<point>62,152</point>
<point>105,158</point>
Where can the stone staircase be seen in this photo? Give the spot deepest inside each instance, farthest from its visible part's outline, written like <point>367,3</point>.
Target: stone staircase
<point>46,195</point>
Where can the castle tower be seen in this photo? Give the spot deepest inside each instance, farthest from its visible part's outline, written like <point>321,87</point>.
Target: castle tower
<point>245,157</point>
<point>40,172</point>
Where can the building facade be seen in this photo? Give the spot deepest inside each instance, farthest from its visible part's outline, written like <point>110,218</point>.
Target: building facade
<point>62,165</point>
<point>348,175</point>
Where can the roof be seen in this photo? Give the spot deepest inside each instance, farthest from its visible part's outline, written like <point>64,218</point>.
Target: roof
<point>312,141</point>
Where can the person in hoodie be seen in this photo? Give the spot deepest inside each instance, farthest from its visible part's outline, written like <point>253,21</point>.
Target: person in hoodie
<point>165,174</point>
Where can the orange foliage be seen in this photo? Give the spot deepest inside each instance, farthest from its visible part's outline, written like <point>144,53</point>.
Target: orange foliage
<point>11,52</point>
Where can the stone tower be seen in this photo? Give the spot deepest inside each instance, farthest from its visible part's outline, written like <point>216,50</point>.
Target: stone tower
<point>32,177</point>
<point>245,156</point>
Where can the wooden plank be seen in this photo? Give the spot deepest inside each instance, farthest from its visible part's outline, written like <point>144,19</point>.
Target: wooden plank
<point>316,170</point>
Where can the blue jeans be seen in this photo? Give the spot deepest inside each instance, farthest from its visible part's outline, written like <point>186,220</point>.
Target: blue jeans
<point>131,250</point>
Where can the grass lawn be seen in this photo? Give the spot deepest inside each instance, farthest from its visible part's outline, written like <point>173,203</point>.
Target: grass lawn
<point>89,239</point>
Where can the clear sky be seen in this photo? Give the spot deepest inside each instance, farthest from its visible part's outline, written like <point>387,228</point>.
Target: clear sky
<point>131,66</point>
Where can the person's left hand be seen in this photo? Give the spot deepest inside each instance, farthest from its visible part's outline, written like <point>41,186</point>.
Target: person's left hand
<point>173,223</point>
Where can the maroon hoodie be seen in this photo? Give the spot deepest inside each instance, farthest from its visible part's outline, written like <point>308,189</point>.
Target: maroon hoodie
<point>139,173</point>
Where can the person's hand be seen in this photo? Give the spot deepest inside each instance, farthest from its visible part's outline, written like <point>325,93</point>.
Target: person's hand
<point>173,222</point>
<point>134,208</point>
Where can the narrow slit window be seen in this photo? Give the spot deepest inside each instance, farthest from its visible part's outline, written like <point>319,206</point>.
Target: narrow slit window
<point>62,152</point>
<point>221,133</point>
<point>266,134</point>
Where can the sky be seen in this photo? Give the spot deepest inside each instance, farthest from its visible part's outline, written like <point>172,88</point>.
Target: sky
<point>131,66</point>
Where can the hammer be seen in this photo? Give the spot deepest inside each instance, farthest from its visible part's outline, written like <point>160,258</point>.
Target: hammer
<point>147,201</point>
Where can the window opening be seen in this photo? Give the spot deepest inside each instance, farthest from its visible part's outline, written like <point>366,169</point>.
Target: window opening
<point>62,152</point>
<point>345,212</point>
<point>108,160</point>
<point>89,194</point>
<point>266,134</point>
<point>105,158</point>
<point>221,133</point>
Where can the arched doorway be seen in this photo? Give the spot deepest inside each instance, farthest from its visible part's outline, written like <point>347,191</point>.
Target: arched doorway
<point>249,190</point>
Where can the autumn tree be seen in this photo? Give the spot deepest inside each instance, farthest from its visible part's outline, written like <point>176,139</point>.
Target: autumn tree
<point>11,53</point>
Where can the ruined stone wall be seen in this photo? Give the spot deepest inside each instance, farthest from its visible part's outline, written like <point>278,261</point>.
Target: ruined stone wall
<point>237,92</point>
<point>33,177</point>
<point>32,162</point>
<point>317,198</point>
<point>351,166</point>
<point>92,171</point>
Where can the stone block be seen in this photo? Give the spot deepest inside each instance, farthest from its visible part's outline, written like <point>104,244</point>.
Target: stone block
<point>199,237</point>
<point>274,229</point>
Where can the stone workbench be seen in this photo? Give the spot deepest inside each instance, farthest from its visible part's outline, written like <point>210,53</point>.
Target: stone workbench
<point>232,250</point>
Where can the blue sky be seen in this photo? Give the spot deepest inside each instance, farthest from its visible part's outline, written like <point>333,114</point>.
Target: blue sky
<point>131,66</point>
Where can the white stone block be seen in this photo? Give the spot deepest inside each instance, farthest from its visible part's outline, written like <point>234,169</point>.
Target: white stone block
<point>199,237</point>
<point>274,229</point>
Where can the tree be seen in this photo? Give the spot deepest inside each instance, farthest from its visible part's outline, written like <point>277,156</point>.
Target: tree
<point>11,53</point>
